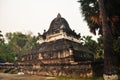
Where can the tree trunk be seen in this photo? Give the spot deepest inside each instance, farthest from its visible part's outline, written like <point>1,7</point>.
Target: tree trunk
<point>109,68</point>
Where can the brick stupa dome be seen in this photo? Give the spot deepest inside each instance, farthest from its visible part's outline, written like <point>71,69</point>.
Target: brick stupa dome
<point>59,23</point>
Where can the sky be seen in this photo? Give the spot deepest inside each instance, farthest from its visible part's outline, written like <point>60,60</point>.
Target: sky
<point>36,15</point>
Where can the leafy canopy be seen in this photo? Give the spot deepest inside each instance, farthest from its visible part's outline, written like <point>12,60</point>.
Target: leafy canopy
<point>90,11</point>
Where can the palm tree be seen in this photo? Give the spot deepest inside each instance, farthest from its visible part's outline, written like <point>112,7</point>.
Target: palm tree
<point>91,13</point>
<point>107,23</point>
<point>109,68</point>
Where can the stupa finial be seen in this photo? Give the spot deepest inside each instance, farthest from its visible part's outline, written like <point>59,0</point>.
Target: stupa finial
<point>58,16</point>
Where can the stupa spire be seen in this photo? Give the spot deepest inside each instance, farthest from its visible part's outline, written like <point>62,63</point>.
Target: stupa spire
<point>58,16</point>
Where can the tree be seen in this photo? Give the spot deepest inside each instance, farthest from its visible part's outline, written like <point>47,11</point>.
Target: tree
<point>100,51</point>
<point>91,13</point>
<point>21,40</point>
<point>31,42</point>
<point>5,54</point>
<point>1,47</point>
<point>109,68</point>
<point>95,47</point>
<point>91,44</point>
<point>13,38</point>
<point>1,38</point>
<point>20,43</point>
<point>107,20</point>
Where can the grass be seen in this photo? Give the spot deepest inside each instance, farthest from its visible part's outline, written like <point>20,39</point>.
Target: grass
<point>75,78</point>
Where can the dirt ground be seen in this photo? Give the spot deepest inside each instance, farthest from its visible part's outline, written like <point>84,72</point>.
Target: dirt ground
<point>4,76</point>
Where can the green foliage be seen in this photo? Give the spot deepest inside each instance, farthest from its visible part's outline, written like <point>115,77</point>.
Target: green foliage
<point>116,45</point>
<point>14,72</point>
<point>10,57</point>
<point>95,47</point>
<point>91,44</point>
<point>21,40</point>
<point>5,54</point>
<point>2,58</point>
<point>18,43</point>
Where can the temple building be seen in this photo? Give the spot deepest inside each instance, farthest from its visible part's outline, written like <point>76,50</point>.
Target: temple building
<point>59,49</point>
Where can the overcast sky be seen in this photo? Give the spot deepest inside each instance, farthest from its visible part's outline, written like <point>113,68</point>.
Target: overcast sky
<point>36,15</point>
